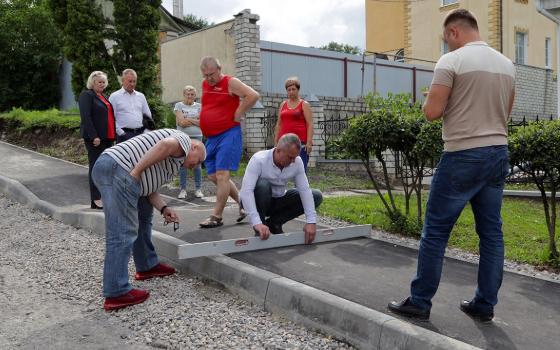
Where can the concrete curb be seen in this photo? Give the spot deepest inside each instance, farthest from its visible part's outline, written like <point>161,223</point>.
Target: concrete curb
<point>360,326</point>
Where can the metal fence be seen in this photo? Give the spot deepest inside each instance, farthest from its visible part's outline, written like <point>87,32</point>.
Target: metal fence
<point>268,123</point>
<point>336,122</point>
<point>328,73</point>
<point>516,176</point>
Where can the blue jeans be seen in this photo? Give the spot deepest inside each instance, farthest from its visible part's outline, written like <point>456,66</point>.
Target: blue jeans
<point>477,176</point>
<point>197,173</point>
<point>304,156</point>
<point>128,225</point>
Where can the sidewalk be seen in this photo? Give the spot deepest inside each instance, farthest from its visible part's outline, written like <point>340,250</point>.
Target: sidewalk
<point>366,272</point>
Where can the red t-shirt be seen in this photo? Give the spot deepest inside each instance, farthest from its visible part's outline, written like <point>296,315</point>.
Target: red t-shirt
<point>218,108</point>
<point>110,118</point>
<point>292,120</point>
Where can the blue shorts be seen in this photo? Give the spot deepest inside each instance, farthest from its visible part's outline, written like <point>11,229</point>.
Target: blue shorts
<point>223,151</point>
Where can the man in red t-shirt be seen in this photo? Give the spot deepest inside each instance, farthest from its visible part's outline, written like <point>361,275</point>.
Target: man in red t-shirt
<point>225,100</point>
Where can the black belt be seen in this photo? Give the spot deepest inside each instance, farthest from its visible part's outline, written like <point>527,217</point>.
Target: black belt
<point>136,131</point>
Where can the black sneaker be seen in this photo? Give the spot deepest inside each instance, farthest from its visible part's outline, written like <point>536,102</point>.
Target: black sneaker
<point>406,308</point>
<point>275,228</point>
<point>471,310</point>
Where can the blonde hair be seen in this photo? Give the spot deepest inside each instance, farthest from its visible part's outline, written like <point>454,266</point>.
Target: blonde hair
<point>189,88</point>
<point>292,81</point>
<point>95,75</point>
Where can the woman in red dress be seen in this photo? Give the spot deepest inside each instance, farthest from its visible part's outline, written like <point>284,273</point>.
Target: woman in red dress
<point>295,116</point>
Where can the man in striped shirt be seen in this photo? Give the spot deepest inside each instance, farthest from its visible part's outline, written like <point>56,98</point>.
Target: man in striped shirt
<point>472,90</point>
<point>128,176</point>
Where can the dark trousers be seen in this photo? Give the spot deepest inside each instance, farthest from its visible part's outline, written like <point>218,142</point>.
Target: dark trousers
<point>128,134</point>
<point>474,176</point>
<point>93,154</point>
<point>304,156</point>
<point>283,209</point>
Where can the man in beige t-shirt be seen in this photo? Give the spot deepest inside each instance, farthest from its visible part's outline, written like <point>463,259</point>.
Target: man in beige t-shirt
<point>472,91</point>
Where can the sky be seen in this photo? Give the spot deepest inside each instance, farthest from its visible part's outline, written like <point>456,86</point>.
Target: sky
<point>296,22</point>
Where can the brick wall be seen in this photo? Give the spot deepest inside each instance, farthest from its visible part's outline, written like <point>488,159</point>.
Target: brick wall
<point>535,93</point>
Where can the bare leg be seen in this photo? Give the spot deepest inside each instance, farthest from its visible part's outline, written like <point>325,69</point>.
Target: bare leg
<point>225,188</point>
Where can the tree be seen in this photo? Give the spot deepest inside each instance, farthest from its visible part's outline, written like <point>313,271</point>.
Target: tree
<point>30,56</point>
<point>534,150</point>
<point>136,25</point>
<point>394,124</point>
<point>415,141</point>
<point>85,30</point>
<point>196,23</point>
<point>339,47</point>
<point>130,40</point>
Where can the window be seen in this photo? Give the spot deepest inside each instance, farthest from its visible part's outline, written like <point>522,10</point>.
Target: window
<point>520,47</point>
<point>444,48</point>
<point>547,52</point>
<point>448,2</point>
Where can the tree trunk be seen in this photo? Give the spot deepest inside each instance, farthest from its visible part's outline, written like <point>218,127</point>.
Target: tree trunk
<point>366,164</point>
<point>387,182</point>
<point>552,228</point>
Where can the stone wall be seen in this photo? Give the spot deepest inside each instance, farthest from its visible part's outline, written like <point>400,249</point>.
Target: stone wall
<point>246,34</point>
<point>535,93</point>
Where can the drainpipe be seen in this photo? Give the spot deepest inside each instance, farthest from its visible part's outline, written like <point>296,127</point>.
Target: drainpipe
<point>501,14</point>
<point>544,12</point>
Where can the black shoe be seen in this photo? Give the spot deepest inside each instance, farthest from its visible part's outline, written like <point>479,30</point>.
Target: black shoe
<point>95,206</point>
<point>469,308</point>
<point>274,227</point>
<point>406,308</point>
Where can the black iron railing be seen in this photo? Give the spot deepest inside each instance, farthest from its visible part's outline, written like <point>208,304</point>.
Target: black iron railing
<point>336,122</point>
<point>268,123</point>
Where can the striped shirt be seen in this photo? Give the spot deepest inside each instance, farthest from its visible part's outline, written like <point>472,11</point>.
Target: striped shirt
<point>127,154</point>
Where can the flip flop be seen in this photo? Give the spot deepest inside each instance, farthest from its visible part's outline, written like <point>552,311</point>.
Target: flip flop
<point>211,221</point>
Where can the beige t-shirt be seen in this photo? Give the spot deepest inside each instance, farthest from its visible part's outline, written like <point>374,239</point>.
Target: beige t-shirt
<point>482,81</point>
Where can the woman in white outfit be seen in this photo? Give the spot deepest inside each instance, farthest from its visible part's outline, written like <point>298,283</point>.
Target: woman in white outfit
<point>187,115</point>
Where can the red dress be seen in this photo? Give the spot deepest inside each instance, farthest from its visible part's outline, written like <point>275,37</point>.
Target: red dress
<point>110,118</point>
<point>292,120</point>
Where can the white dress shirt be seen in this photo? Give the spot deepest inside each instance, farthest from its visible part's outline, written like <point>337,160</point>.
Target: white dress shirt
<point>262,166</point>
<point>128,109</point>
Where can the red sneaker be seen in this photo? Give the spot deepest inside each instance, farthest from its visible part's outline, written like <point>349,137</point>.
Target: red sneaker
<point>133,297</point>
<point>159,270</point>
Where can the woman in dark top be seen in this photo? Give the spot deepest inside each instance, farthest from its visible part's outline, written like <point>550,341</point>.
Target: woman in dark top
<point>97,125</point>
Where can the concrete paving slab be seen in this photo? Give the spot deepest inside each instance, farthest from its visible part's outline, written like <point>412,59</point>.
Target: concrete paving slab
<point>365,272</point>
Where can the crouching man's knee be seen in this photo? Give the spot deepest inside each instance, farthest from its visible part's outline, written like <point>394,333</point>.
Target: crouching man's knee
<point>317,197</point>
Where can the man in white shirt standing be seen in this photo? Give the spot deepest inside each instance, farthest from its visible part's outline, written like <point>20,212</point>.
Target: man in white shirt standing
<point>263,191</point>
<point>130,106</point>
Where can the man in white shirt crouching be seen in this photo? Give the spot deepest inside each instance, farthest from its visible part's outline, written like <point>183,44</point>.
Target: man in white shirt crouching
<point>263,191</point>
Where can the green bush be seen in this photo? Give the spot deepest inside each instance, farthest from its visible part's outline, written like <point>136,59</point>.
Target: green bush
<point>51,119</point>
<point>30,55</point>
<point>394,123</point>
<point>535,150</point>
<point>161,113</point>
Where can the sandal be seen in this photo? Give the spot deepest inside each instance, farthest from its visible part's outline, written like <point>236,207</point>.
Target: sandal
<point>211,221</point>
<point>242,215</point>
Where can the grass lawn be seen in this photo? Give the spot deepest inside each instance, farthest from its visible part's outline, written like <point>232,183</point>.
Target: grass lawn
<point>525,234</point>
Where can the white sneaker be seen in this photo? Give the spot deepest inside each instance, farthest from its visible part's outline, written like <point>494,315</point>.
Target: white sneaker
<point>182,194</point>
<point>198,194</point>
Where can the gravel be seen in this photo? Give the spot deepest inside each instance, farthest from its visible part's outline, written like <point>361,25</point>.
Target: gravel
<point>50,280</point>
